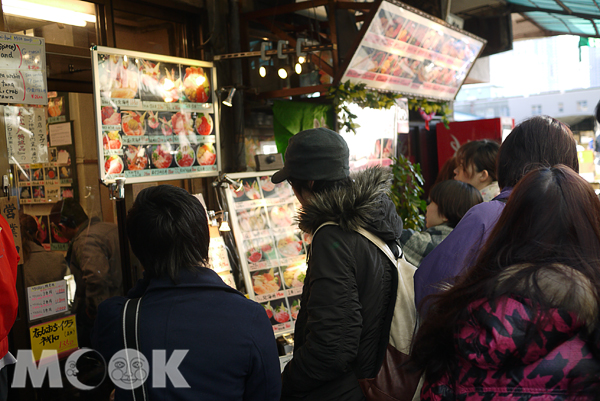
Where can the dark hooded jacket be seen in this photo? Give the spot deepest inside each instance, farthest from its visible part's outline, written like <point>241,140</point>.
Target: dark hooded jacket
<point>343,325</point>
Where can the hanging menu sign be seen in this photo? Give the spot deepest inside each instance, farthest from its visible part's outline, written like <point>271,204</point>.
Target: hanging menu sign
<point>272,248</point>
<point>407,51</point>
<point>22,69</point>
<point>155,116</point>
<point>26,134</point>
<point>47,299</point>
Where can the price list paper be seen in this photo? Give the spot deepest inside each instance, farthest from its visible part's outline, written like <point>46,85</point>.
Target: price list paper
<point>47,299</point>
<point>272,248</point>
<point>22,69</point>
<point>26,134</point>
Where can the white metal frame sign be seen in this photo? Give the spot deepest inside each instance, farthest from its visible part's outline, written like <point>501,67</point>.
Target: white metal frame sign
<point>157,117</point>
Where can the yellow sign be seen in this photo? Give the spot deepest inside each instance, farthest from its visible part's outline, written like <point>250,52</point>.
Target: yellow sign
<point>59,334</point>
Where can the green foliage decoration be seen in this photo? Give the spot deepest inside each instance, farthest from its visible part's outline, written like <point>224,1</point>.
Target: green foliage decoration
<point>406,193</point>
<point>347,93</point>
<point>440,108</point>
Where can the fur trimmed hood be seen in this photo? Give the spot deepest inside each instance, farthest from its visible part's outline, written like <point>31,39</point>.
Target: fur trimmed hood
<point>365,204</point>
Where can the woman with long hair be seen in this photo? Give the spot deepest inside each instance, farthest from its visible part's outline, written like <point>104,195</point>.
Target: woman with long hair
<point>522,322</point>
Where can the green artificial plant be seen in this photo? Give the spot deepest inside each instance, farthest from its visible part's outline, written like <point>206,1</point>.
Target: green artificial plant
<point>406,193</point>
<point>346,93</point>
<point>429,107</point>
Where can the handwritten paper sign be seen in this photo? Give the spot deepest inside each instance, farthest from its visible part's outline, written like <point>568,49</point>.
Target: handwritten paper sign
<point>26,134</point>
<point>60,134</point>
<point>10,211</point>
<point>47,299</point>
<point>59,335</point>
<point>22,69</point>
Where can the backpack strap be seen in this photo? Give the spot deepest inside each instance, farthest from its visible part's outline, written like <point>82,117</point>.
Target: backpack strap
<point>131,337</point>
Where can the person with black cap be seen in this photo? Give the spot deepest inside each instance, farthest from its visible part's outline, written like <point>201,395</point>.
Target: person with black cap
<point>342,330</point>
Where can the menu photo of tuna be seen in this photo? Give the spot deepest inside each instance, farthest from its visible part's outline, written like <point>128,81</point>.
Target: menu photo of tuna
<point>364,60</point>
<point>294,306</point>
<point>38,192</point>
<point>111,140</point>
<point>253,219</point>
<point>161,155</point>
<point>282,216</point>
<point>135,157</point>
<point>289,245</point>
<point>55,107</point>
<point>277,311</point>
<point>196,85</point>
<point>118,76</point>
<point>270,190</point>
<point>185,156</point>
<point>294,275</point>
<point>204,123</point>
<point>159,81</point>
<point>110,115</point>
<point>206,154</point>
<point>182,125</point>
<point>394,26</point>
<point>24,174</point>
<point>113,165</point>
<point>25,193</point>
<point>266,281</point>
<point>133,123</point>
<point>260,250</point>
<point>164,123</point>
<point>37,174</point>
<point>51,173</point>
<point>66,192</point>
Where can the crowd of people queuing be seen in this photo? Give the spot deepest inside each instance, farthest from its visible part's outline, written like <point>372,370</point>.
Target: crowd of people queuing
<point>507,286</point>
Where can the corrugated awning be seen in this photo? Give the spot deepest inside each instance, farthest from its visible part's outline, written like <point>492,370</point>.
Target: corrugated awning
<point>574,17</point>
<point>579,123</point>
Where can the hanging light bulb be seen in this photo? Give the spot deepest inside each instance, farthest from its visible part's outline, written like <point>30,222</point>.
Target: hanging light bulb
<point>282,72</point>
<point>262,71</point>
<point>301,59</point>
<point>298,68</point>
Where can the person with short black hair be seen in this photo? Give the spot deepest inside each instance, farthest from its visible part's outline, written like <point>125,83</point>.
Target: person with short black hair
<point>449,201</point>
<point>39,265</point>
<point>232,354</point>
<point>538,141</point>
<point>476,165</point>
<point>342,329</point>
<point>94,257</point>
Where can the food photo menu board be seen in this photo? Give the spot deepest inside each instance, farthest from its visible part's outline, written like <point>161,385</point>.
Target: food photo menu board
<point>156,116</point>
<point>271,246</point>
<point>407,51</point>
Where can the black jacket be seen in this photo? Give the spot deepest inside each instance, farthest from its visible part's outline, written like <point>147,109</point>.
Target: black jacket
<point>342,331</point>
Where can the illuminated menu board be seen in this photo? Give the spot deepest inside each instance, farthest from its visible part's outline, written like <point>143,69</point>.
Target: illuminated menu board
<point>272,248</point>
<point>155,116</point>
<point>406,51</point>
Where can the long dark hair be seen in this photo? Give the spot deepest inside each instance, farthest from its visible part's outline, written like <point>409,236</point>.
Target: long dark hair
<point>540,140</point>
<point>481,154</point>
<point>551,220</point>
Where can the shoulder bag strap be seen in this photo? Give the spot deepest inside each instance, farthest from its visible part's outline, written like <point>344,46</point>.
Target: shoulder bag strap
<point>131,338</point>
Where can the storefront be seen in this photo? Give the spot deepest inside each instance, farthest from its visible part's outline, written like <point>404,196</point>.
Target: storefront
<point>145,106</point>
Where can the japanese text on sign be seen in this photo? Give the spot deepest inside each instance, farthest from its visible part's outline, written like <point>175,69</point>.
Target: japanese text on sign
<point>11,213</point>
<point>47,299</point>
<point>26,134</point>
<point>59,335</point>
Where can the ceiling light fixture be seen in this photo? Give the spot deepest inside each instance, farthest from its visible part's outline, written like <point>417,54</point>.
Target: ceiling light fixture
<point>47,13</point>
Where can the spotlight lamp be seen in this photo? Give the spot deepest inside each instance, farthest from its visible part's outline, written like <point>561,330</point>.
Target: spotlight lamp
<point>225,222</point>
<point>262,71</point>
<point>283,71</point>
<point>229,100</point>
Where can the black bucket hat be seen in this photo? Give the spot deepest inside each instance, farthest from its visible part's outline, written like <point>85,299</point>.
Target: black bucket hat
<point>314,155</point>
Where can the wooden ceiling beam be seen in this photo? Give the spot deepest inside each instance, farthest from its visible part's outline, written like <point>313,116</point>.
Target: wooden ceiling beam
<point>289,92</point>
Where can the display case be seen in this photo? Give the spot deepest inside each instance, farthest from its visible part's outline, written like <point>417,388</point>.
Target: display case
<point>157,117</point>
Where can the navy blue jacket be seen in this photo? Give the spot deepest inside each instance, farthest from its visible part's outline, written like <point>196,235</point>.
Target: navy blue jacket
<point>232,350</point>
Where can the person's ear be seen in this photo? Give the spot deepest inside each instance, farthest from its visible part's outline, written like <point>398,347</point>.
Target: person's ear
<point>484,175</point>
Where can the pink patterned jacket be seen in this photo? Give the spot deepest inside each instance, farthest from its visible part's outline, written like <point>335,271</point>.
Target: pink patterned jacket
<point>496,360</point>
